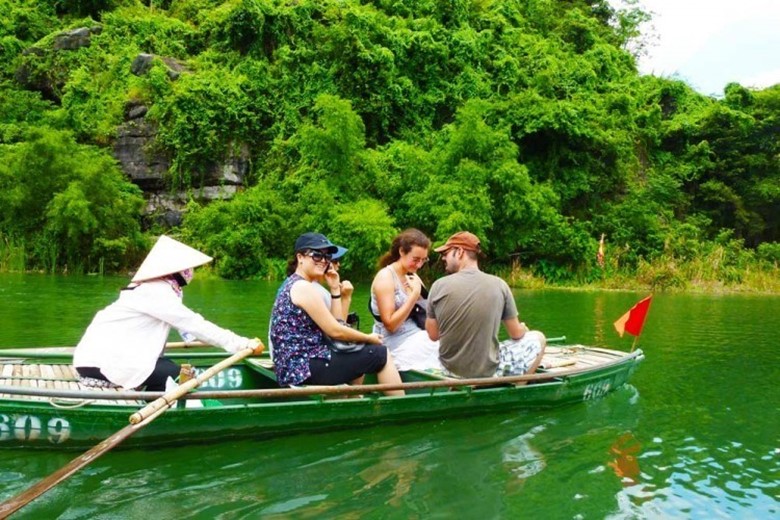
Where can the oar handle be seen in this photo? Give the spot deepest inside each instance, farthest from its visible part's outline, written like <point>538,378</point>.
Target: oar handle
<point>186,344</point>
<point>171,397</point>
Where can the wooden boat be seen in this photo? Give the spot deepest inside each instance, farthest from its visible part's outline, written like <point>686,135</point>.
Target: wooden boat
<point>43,405</point>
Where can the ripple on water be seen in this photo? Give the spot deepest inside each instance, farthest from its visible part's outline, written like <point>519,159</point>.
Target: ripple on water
<point>728,481</point>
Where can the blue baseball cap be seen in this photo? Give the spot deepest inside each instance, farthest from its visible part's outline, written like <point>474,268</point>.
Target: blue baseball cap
<point>340,251</point>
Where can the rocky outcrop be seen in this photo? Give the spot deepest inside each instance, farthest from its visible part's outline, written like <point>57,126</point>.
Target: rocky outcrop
<point>147,166</point>
<point>143,63</point>
<point>133,149</point>
<point>41,69</point>
<point>75,39</point>
<point>135,146</point>
<point>167,208</point>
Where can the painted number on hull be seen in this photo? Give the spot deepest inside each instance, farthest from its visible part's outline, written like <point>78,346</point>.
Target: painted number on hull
<point>596,390</point>
<point>230,379</point>
<point>30,428</point>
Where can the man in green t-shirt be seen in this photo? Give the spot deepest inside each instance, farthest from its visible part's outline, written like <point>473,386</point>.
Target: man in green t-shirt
<point>465,311</point>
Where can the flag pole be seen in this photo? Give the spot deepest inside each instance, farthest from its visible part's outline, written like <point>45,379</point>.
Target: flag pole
<point>633,345</point>
<point>600,256</point>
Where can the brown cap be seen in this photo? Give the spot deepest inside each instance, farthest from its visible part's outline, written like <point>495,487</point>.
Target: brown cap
<point>463,239</point>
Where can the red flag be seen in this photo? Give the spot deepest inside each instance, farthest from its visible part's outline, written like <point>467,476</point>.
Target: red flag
<point>633,321</point>
<point>600,254</point>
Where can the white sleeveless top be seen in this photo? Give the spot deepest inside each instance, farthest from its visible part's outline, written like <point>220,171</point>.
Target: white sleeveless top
<point>409,344</point>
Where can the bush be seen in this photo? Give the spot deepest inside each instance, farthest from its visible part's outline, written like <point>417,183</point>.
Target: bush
<point>769,252</point>
<point>246,235</point>
<point>199,120</point>
<point>68,204</point>
<point>366,229</point>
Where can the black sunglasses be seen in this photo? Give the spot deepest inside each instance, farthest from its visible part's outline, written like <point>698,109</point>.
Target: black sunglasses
<point>318,256</point>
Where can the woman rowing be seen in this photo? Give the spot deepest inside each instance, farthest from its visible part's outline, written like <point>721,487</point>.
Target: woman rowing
<point>123,345</point>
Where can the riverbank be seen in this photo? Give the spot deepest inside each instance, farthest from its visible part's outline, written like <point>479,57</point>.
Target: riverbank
<point>682,278</point>
<point>654,278</point>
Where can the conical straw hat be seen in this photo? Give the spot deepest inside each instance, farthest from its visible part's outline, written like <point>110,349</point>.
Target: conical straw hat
<point>169,256</point>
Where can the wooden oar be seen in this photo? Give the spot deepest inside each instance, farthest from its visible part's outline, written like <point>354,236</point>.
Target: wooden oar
<point>186,344</point>
<point>138,420</point>
<point>12,354</point>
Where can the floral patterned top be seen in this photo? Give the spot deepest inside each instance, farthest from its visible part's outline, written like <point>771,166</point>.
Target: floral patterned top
<point>296,338</point>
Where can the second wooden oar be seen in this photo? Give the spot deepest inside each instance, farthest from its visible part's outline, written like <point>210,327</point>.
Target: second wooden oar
<point>138,420</point>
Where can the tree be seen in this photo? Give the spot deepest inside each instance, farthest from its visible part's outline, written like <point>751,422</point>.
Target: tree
<point>69,204</point>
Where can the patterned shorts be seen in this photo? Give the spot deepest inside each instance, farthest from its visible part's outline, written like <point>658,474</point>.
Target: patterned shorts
<point>515,357</point>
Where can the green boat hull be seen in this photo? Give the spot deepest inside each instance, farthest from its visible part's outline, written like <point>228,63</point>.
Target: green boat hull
<point>68,423</point>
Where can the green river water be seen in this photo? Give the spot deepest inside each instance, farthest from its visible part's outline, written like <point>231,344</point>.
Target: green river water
<point>695,435</point>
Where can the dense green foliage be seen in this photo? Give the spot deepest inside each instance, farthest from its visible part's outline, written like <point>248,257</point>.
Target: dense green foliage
<point>68,205</point>
<point>524,121</point>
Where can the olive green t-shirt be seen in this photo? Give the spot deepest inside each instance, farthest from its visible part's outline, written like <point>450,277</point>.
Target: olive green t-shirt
<point>469,307</point>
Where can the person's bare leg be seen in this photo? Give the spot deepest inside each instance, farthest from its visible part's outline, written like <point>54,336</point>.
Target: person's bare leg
<point>535,334</point>
<point>538,360</point>
<point>389,375</point>
<point>357,381</point>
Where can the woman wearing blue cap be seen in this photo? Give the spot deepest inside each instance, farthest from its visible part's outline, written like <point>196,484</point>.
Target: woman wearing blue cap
<point>300,322</point>
<point>340,306</point>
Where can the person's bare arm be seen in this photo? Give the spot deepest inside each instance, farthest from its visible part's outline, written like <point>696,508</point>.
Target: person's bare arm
<point>346,298</point>
<point>515,328</point>
<point>384,292</point>
<point>333,281</point>
<point>432,328</point>
<point>307,297</point>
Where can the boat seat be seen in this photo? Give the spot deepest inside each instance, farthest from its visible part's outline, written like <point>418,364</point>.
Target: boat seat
<point>425,375</point>
<point>266,367</point>
<point>54,376</point>
<point>262,365</point>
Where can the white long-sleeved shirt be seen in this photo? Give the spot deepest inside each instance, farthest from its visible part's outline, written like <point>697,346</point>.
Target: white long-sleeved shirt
<point>125,339</point>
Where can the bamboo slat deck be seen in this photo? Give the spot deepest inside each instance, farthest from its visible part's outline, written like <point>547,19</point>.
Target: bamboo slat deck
<point>54,377</point>
<point>558,359</point>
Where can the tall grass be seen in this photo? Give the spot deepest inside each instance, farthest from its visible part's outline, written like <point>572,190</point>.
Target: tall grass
<point>519,277</point>
<point>13,257</point>
<point>723,266</point>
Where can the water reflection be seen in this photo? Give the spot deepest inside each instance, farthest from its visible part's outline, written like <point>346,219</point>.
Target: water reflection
<point>395,466</point>
<point>520,458</point>
<point>598,315</point>
<point>626,462</point>
<point>729,480</point>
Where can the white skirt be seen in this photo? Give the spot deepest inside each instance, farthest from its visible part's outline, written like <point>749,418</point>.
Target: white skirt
<point>416,352</point>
